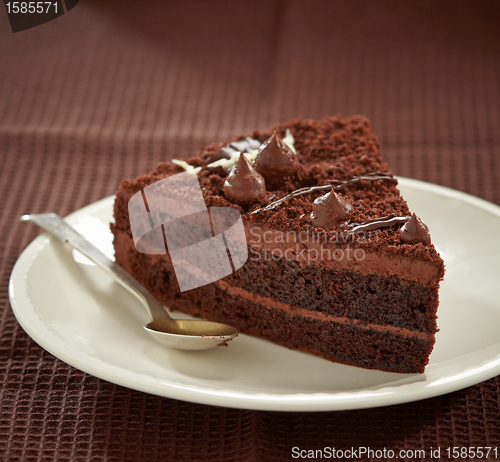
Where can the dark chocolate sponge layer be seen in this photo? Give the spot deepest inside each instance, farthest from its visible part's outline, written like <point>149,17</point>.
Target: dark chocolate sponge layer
<point>368,298</point>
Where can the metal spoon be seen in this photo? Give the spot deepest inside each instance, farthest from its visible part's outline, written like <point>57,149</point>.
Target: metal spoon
<point>180,334</point>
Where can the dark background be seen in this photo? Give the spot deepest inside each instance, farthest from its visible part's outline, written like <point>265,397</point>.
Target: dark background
<point>111,88</point>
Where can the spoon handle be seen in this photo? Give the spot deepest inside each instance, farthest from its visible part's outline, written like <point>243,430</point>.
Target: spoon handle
<point>55,225</point>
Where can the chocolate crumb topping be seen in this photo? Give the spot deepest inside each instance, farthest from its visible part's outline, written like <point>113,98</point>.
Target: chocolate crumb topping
<point>335,185</point>
<point>243,183</point>
<point>276,160</point>
<point>330,210</point>
<point>414,231</point>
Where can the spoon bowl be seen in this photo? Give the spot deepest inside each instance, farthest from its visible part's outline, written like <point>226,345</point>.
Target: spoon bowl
<point>181,334</point>
<point>191,334</point>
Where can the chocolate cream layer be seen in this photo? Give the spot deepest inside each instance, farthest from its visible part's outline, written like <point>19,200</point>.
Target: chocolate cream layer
<point>309,249</point>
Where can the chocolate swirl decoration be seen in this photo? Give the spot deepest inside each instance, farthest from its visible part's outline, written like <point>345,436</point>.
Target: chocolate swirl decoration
<point>413,229</point>
<point>335,185</point>
<point>377,223</point>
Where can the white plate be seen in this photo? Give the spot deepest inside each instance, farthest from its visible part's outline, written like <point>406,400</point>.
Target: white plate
<point>74,311</point>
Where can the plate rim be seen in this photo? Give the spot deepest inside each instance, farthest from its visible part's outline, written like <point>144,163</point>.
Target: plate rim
<point>293,402</point>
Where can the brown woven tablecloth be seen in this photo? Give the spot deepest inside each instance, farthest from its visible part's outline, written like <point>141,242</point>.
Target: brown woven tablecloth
<point>109,89</point>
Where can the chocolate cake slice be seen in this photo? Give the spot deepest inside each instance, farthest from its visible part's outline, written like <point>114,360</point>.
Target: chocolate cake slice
<point>336,264</point>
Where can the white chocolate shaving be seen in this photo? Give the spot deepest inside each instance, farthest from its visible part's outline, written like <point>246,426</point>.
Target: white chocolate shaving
<point>289,140</point>
<point>188,167</point>
<point>227,163</point>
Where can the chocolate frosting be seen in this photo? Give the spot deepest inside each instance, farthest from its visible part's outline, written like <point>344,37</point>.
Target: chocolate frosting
<point>276,160</point>
<point>330,210</point>
<point>414,231</point>
<point>244,184</point>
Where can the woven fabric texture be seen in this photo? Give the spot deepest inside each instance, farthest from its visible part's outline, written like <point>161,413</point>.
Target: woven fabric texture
<point>111,88</point>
